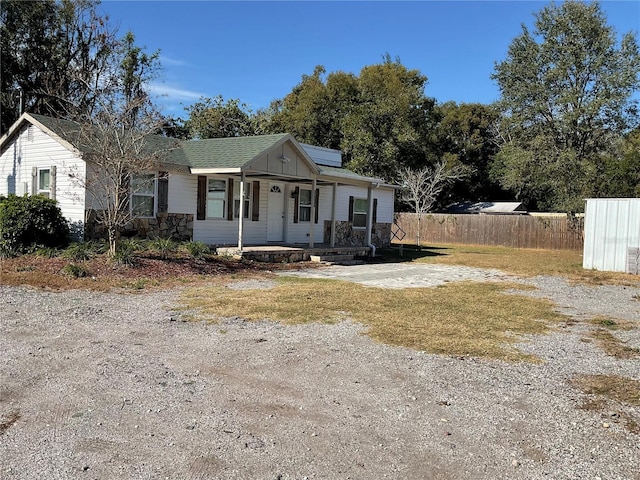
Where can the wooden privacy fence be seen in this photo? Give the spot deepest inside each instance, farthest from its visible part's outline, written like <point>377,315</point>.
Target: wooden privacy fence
<point>520,231</point>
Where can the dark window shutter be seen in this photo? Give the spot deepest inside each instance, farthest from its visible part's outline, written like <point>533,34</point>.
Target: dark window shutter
<point>202,198</point>
<point>230,199</point>
<point>296,205</point>
<point>317,203</point>
<point>255,202</point>
<point>163,192</point>
<point>351,200</point>
<point>375,211</point>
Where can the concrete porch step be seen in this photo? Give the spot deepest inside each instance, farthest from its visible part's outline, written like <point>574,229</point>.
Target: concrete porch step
<point>335,259</point>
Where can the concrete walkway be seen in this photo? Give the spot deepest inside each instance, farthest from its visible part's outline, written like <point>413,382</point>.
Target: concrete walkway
<point>402,275</point>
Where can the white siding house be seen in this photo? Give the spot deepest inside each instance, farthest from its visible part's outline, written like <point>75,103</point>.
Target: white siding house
<point>37,162</point>
<point>612,235</point>
<point>292,193</point>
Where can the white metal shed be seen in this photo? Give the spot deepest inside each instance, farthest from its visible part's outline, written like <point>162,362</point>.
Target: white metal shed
<point>612,235</point>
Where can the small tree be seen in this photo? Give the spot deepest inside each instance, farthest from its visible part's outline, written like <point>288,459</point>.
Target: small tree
<point>118,141</point>
<point>422,187</point>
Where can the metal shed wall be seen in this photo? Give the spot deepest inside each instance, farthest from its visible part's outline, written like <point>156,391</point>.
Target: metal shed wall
<point>611,228</point>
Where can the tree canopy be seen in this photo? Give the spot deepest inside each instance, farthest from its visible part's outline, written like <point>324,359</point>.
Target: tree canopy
<point>566,97</point>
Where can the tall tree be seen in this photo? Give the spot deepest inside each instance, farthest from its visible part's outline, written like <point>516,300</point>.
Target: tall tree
<point>55,55</point>
<point>381,119</point>
<point>387,129</point>
<point>465,133</point>
<point>566,94</point>
<point>215,118</point>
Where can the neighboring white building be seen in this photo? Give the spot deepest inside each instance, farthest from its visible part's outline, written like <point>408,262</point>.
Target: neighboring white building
<point>239,191</point>
<point>612,235</point>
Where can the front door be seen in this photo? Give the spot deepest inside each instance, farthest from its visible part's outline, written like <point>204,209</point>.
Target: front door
<point>275,213</point>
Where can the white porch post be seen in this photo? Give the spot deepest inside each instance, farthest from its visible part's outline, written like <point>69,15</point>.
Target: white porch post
<point>333,214</point>
<point>369,214</point>
<point>312,220</point>
<point>241,214</point>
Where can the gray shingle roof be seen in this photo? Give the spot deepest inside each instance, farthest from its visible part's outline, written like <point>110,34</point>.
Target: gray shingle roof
<point>213,153</point>
<point>233,152</point>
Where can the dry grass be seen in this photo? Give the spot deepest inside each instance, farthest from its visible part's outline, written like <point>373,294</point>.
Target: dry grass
<point>457,319</point>
<point>611,323</point>
<point>612,387</point>
<point>520,261</point>
<point>613,346</point>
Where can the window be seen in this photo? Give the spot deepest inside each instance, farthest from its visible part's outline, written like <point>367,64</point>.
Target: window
<point>236,199</point>
<point>216,194</point>
<point>44,182</point>
<point>360,213</point>
<point>304,206</point>
<point>143,195</point>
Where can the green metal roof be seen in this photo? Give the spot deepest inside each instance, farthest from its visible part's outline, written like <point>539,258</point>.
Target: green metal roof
<point>233,152</point>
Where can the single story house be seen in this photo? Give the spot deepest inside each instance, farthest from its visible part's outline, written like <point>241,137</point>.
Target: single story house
<point>241,191</point>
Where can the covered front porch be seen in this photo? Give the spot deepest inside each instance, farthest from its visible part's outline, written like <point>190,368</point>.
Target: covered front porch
<point>288,253</point>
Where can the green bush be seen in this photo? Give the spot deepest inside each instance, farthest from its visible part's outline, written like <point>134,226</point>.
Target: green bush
<point>197,250</point>
<point>75,271</point>
<point>29,222</point>
<point>164,246</point>
<point>125,254</point>
<point>81,251</point>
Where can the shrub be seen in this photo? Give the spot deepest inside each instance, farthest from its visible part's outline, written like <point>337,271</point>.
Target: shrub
<point>197,250</point>
<point>31,221</point>
<point>47,252</point>
<point>125,254</point>
<point>164,246</point>
<point>74,270</point>
<point>82,251</point>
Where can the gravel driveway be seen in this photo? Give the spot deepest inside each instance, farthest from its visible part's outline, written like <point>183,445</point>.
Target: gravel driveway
<point>111,386</point>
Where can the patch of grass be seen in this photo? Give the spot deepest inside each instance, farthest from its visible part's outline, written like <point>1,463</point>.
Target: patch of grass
<point>612,387</point>
<point>611,323</point>
<point>74,270</point>
<point>613,346</point>
<point>476,319</point>
<point>611,392</point>
<point>518,261</point>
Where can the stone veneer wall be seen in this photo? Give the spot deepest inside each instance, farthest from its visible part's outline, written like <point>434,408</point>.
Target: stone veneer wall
<point>178,226</point>
<point>347,235</point>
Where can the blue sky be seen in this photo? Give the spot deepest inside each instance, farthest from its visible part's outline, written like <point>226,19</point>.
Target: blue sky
<point>258,51</point>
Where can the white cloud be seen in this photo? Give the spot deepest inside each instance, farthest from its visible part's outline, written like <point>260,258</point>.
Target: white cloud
<point>164,60</point>
<point>174,93</point>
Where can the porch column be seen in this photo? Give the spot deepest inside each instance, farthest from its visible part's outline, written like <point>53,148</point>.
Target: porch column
<point>369,214</point>
<point>333,214</point>
<point>241,213</point>
<point>312,220</point>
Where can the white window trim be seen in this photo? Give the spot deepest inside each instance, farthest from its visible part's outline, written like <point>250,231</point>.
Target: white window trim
<point>41,191</point>
<point>364,214</point>
<point>305,205</point>
<point>144,194</point>
<point>223,199</point>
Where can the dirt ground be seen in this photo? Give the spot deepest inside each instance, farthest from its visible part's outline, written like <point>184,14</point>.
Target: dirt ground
<point>117,386</point>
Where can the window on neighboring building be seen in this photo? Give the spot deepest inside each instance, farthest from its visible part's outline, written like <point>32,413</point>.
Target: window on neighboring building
<point>216,195</point>
<point>236,199</point>
<point>143,195</point>
<point>360,212</point>
<point>304,206</point>
<point>44,182</point>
